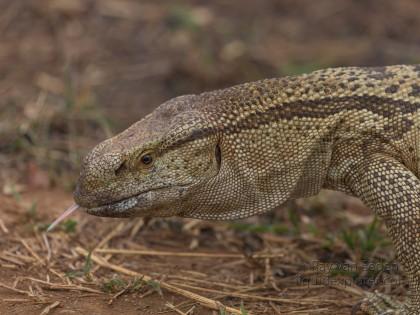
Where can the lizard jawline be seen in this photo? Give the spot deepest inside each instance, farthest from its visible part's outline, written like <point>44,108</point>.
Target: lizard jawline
<point>134,205</point>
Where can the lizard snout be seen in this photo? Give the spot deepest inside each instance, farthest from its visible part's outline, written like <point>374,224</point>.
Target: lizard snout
<point>94,186</point>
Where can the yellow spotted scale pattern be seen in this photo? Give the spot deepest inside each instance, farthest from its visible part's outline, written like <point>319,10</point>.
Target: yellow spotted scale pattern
<point>247,149</point>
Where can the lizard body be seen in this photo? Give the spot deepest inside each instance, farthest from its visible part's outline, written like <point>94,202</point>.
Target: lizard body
<point>247,149</point>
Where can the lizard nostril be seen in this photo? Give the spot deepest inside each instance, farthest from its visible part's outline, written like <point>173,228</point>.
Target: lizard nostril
<point>121,168</point>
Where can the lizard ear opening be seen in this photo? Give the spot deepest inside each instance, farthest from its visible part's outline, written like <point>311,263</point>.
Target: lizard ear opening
<point>218,155</point>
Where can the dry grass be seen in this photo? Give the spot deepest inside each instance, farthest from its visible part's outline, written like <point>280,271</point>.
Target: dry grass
<point>225,270</point>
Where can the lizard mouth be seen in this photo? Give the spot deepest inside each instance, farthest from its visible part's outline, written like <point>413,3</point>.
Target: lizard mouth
<point>119,208</point>
<point>137,205</point>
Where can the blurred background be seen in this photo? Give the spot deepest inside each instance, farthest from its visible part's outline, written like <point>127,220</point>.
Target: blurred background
<point>74,72</point>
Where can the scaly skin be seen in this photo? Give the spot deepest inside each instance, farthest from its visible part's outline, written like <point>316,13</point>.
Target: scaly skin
<point>245,150</point>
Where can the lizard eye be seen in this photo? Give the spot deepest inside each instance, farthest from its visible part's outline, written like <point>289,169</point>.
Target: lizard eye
<point>147,159</point>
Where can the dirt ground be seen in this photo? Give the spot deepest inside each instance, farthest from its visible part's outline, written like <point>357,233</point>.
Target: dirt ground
<point>268,272</point>
<point>75,72</point>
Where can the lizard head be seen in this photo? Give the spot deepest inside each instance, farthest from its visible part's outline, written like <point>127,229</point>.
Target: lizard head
<point>148,169</point>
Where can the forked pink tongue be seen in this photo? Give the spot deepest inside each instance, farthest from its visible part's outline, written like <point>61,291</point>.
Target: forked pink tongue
<point>65,214</point>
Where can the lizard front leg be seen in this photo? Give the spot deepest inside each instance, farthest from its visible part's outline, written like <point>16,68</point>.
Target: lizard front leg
<point>393,192</point>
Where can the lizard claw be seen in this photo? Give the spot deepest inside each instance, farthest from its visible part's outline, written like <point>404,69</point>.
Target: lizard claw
<point>380,304</point>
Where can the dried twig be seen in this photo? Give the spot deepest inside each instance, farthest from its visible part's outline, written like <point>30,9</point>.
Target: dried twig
<point>16,300</point>
<point>47,245</point>
<point>264,298</point>
<point>27,259</point>
<point>32,252</point>
<point>97,267</point>
<point>58,286</point>
<point>3,227</point>
<point>352,290</point>
<point>2,285</point>
<point>110,235</point>
<point>164,253</point>
<point>13,260</point>
<point>8,266</point>
<point>115,296</point>
<point>275,307</point>
<point>58,274</point>
<point>172,307</point>
<point>191,310</point>
<point>182,254</point>
<point>136,228</point>
<point>50,307</point>
<point>214,283</point>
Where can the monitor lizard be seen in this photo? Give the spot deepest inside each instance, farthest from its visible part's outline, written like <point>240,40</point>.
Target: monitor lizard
<point>247,149</point>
